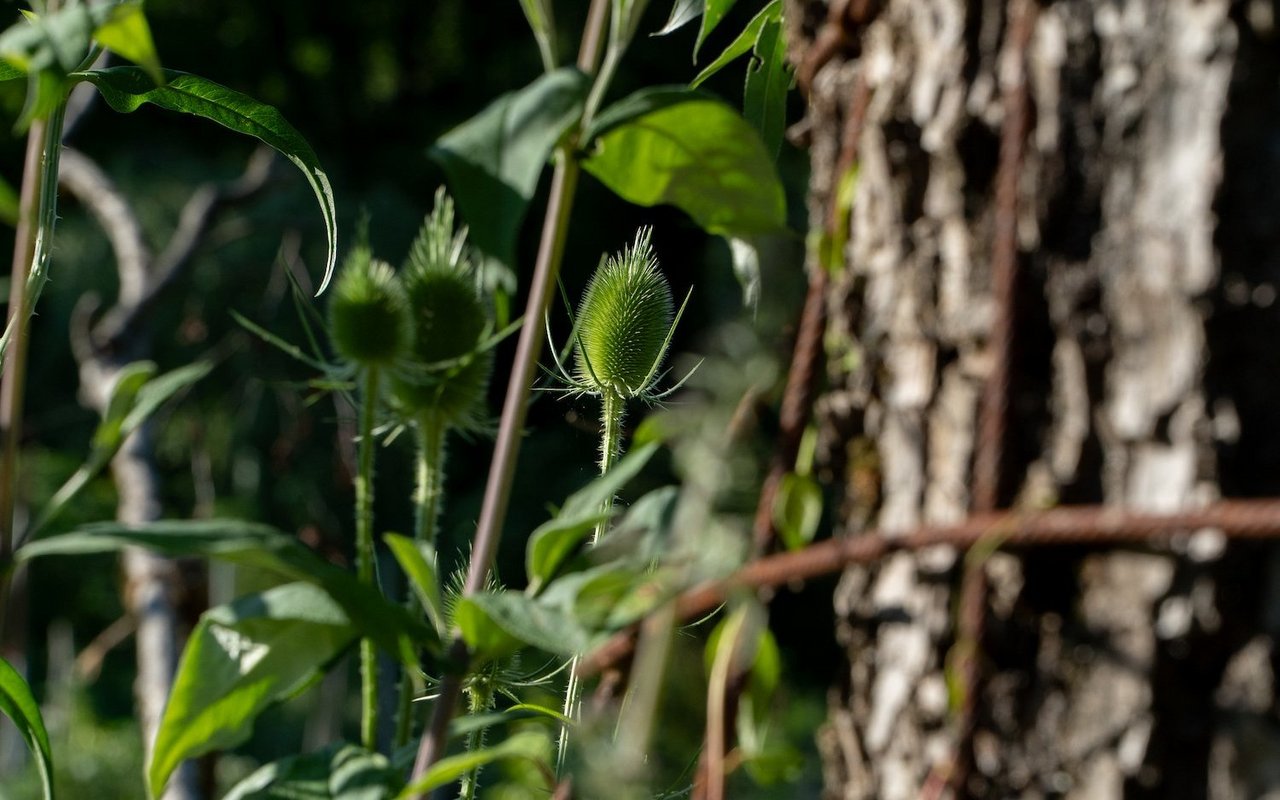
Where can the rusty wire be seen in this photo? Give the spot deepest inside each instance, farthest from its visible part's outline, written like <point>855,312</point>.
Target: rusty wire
<point>1065,525</point>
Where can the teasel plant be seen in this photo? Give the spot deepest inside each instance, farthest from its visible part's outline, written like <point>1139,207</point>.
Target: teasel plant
<point>619,341</point>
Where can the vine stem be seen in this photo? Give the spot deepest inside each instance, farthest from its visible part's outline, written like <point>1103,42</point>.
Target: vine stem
<point>493,511</point>
<point>427,495</point>
<point>38,208</point>
<point>364,557</point>
<point>611,415</point>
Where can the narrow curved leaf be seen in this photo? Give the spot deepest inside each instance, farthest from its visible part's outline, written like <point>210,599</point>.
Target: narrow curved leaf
<point>126,89</point>
<point>764,101</point>
<point>262,547</point>
<point>682,13</point>
<point>240,659</point>
<point>711,17</point>
<point>493,160</point>
<point>743,44</point>
<point>692,151</point>
<point>18,704</point>
<point>529,745</point>
<point>418,560</point>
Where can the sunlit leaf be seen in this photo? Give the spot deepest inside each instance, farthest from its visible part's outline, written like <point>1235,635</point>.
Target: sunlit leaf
<point>18,704</point>
<point>556,539</point>
<point>711,17</point>
<point>262,547</point>
<point>126,89</point>
<point>494,159</point>
<point>682,13</point>
<point>768,81</point>
<point>797,510</point>
<point>692,151</point>
<point>529,745</point>
<point>240,659</point>
<point>493,623</point>
<point>126,32</point>
<point>418,560</point>
<point>743,44</point>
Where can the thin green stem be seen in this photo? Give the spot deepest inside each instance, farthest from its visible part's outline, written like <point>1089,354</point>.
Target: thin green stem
<point>611,415</point>
<point>479,701</point>
<point>365,555</point>
<point>428,493</point>
<point>38,209</point>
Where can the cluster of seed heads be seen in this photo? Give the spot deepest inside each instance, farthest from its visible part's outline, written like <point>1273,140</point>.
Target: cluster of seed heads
<point>426,324</point>
<point>624,327</point>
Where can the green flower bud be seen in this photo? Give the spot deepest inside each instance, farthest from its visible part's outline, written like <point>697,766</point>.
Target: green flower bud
<point>369,312</point>
<point>624,322</point>
<point>451,378</point>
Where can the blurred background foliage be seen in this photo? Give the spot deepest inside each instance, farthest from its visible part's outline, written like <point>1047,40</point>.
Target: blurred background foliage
<point>370,86</point>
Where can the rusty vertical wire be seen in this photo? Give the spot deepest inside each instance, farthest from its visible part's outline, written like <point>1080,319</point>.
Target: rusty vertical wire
<point>994,411</point>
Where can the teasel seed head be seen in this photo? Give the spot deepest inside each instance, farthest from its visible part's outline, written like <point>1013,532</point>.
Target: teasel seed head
<point>369,318</point>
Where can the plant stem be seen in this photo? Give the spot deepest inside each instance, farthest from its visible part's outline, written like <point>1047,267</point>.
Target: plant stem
<point>427,494</point>
<point>480,700</point>
<point>364,557</point>
<point>37,214</point>
<point>611,415</point>
<point>493,511</point>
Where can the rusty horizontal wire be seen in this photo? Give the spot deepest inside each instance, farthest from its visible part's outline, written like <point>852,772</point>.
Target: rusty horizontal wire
<point>1065,525</point>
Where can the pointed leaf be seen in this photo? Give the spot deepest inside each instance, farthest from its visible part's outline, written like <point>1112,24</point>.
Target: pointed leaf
<point>494,159</point>
<point>18,704</point>
<point>8,72</point>
<point>127,33</point>
<point>555,539</point>
<point>743,44</point>
<point>711,17</point>
<point>692,151</point>
<point>128,88</point>
<point>262,547</point>
<point>240,659</point>
<point>523,620</point>
<point>797,510</point>
<point>768,81</point>
<point>418,560</point>
<point>682,13</point>
<point>529,745</point>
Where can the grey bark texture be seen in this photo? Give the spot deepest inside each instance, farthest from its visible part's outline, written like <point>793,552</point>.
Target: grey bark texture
<point>1143,374</point>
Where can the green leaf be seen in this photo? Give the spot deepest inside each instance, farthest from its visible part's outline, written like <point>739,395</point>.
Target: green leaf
<point>797,510</point>
<point>494,159</point>
<point>18,704</point>
<point>338,772</point>
<point>418,560</point>
<point>493,624</point>
<point>741,45</point>
<point>126,32</point>
<point>690,150</point>
<point>682,13</point>
<point>262,547</point>
<point>554,540</point>
<point>530,745</point>
<point>768,81</point>
<point>711,17</point>
<point>134,398</point>
<point>128,88</point>
<point>520,712</point>
<point>8,195</point>
<point>9,72</point>
<point>746,268</point>
<point>240,659</point>
<point>542,21</point>
<point>55,42</point>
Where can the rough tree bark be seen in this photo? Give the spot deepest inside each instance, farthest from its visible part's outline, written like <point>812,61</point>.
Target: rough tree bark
<point>1142,206</point>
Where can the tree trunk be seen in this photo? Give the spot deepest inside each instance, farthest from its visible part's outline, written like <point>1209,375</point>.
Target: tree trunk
<point>1058,287</point>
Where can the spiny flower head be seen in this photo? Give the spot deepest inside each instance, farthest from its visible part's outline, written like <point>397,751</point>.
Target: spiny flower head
<point>450,373</point>
<point>369,319</point>
<point>625,322</point>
